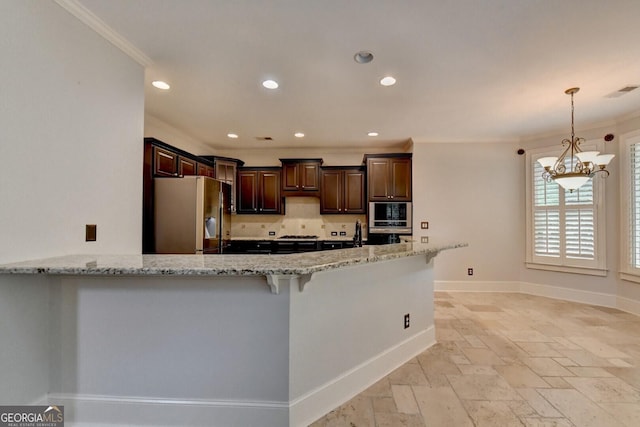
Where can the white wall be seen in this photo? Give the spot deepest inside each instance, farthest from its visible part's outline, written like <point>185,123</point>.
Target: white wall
<point>71,126</point>
<point>471,192</point>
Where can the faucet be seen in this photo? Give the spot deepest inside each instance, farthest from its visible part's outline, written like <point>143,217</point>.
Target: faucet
<point>357,235</point>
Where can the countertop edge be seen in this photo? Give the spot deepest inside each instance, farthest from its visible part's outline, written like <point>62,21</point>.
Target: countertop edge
<point>220,265</point>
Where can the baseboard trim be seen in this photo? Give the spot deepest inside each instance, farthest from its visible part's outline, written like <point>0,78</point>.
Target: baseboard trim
<point>628,305</point>
<point>568,294</point>
<point>83,410</point>
<point>306,409</point>
<point>475,286</point>
<point>556,292</point>
<point>91,410</point>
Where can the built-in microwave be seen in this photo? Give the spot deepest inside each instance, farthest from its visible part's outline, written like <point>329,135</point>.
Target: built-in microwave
<point>390,217</point>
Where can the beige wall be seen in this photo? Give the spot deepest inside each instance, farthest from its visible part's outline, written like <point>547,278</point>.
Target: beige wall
<point>471,192</point>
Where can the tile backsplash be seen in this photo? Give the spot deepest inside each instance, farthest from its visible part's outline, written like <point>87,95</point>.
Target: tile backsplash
<point>302,217</point>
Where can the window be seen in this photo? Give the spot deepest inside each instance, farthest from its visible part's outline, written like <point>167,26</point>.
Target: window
<point>563,227</point>
<point>630,200</point>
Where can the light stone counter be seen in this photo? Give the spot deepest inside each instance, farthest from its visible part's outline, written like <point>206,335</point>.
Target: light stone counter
<point>223,265</point>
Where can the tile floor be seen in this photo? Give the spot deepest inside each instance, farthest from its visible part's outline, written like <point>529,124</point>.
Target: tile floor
<point>510,360</point>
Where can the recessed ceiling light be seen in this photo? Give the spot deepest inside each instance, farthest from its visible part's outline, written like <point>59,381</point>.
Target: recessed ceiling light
<point>372,134</point>
<point>161,85</point>
<point>299,135</point>
<point>363,57</point>
<point>270,84</point>
<point>232,135</point>
<point>388,81</point>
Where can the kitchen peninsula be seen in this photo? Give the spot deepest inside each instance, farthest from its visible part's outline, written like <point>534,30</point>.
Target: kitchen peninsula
<point>247,340</point>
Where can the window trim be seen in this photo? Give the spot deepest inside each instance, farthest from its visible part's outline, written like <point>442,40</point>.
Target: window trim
<point>627,271</point>
<point>597,267</point>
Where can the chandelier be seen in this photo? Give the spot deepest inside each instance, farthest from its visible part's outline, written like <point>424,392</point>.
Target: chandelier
<point>574,167</point>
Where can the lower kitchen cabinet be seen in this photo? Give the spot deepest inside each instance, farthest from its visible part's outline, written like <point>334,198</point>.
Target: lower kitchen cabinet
<point>250,247</point>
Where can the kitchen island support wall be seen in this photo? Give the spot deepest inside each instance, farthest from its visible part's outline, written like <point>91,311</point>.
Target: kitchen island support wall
<point>187,350</point>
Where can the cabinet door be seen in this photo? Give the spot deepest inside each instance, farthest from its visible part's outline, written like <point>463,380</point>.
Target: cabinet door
<point>400,174</point>
<point>354,196</point>
<point>247,192</point>
<point>186,166</point>
<point>377,175</point>
<point>205,170</point>
<point>310,176</point>
<point>290,177</point>
<point>165,163</point>
<point>331,196</point>
<point>269,194</point>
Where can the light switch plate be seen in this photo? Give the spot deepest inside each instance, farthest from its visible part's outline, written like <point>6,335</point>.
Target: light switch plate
<point>424,239</point>
<point>424,225</point>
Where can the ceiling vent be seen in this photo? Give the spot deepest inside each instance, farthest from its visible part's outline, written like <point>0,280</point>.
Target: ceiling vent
<point>622,91</point>
<point>264,138</point>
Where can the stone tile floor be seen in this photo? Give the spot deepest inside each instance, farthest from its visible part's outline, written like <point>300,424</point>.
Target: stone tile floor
<point>510,360</point>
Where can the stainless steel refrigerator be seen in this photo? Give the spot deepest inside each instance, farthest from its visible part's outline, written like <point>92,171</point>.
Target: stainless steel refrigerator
<point>192,215</point>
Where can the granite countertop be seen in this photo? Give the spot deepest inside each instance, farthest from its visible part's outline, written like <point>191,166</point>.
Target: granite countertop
<point>279,239</point>
<point>222,265</point>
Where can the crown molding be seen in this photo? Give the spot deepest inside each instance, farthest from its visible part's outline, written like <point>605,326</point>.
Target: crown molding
<point>76,9</point>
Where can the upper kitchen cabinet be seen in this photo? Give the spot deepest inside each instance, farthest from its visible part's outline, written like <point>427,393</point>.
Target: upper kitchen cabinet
<point>301,177</point>
<point>259,191</point>
<point>342,190</point>
<point>187,166</point>
<point>206,170</point>
<point>388,176</point>
<point>165,162</point>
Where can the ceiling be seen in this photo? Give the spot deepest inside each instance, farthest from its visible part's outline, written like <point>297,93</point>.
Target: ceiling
<point>466,70</point>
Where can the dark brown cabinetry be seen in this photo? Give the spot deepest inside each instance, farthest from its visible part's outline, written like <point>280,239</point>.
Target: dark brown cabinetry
<point>165,162</point>
<point>301,177</point>
<point>186,166</point>
<point>259,191</point>
<point>206,170</point>
<point>342,190</point>
<point>389,177</point>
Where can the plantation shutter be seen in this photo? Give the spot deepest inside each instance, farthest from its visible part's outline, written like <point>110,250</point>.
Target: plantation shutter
<point>634,215</point>
<point>546,216</point>
<point>564,221</point>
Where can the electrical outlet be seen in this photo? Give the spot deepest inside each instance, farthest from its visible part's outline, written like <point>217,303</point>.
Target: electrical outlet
<point>91,232</point>
<point>424,225</point>
<point>470,271</point>
<point>343,233</point>
<point>406,321</point>
<point>272,233</point>
<point>424,239</point>
<point>334,233</point>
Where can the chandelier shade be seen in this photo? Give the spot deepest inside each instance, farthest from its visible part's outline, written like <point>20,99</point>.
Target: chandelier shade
<point>574,167</point>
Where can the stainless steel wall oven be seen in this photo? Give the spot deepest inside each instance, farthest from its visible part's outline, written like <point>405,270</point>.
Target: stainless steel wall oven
<point>390,217</point>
